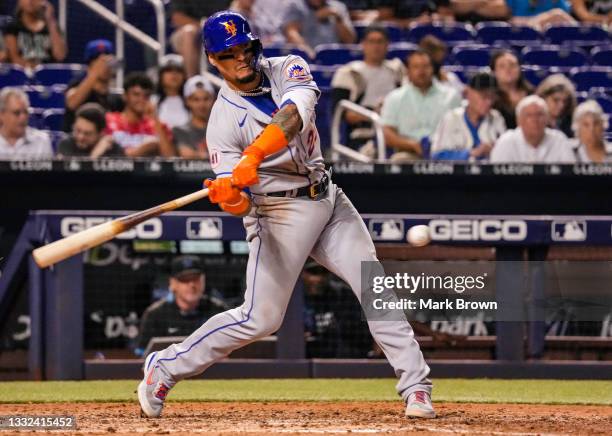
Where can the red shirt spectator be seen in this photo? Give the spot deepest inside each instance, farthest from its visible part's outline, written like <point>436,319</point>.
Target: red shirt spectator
<point>131,134</point>
<point>138,129</point>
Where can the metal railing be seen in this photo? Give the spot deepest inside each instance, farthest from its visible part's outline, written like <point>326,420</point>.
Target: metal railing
<point>339,149</point>
<point>122,27</point>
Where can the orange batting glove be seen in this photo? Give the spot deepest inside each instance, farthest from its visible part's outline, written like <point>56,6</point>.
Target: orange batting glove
<point>230,198</point>
<point>270,140</point>
<point>222,191</point>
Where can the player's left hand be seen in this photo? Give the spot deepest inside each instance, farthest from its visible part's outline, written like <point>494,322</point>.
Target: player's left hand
<point>222,191</point>
<point>245,172</point>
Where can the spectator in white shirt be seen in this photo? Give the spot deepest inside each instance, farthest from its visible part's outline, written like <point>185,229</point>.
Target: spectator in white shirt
<point>532,141</point>
<point>171,108</point>
<point>469,132</point>
<point>17,139</point>
<point>367,82</point>
<point>589,124</point>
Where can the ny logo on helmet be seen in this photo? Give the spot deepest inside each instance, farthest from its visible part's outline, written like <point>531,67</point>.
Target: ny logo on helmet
<point>230,27</point>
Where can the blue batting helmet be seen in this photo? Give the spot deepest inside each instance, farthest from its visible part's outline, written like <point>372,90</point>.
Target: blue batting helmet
<point>226,29</point>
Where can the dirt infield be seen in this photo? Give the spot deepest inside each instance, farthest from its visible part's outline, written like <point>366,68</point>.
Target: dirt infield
<point>328,418</point>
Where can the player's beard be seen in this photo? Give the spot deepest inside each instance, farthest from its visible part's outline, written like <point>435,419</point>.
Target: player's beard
<point>248,79</point>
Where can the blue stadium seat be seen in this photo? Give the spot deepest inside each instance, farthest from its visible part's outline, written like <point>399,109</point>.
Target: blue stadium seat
<point>602,56</point>
<point>582,97</point>
<point>45,97</point>
<point>36,118</point>
<point>598,91</point>
<point>401,50</point>
<point>605,102</point>
<point>58,74</point>
<point>535,74</point>
<point>492,32</point>
<point>472,55</point>
<point>53,119</point>
<point>554,56</point>
<point>592,77</point>
<point>337,54</point>
<point>578,34</point>
<point>451,33</point>
<point>276,50</point>
<point>323,74</point>
<point>12,75</point>
<point>393,30</point>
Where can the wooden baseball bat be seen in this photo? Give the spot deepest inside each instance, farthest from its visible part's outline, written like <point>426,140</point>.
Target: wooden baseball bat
<point>70,245</point>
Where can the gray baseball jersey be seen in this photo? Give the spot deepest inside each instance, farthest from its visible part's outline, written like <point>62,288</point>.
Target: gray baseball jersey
<point>238,120</point>
<point>283,231</point>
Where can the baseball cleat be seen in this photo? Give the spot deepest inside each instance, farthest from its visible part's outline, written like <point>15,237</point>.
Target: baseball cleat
<point>152,391</point>
<point>419,405</point>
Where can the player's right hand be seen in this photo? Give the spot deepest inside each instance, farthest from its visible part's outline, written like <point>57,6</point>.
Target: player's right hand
<point>222,191</point>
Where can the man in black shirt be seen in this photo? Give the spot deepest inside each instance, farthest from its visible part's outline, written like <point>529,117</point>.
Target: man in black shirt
<point>87,138</point>
<point>184,310</point>
<point>95,86</point>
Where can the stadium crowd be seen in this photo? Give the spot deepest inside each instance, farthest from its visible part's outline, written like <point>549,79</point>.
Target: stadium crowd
<point>445,76</point>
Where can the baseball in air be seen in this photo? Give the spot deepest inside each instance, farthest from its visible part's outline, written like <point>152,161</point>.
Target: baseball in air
<point>418,236</point>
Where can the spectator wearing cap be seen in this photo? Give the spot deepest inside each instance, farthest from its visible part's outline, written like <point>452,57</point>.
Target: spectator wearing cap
<point>190,138</point>
<point>17,139</point>
<point>94,87</point>
<point>469,132</point>
<point>411,113</point>
<point>171,107</point>
<point>532,141</point>
<point>184,309</point>
<point>308,23</point>
<point>34,36</point>
<point>367,82</point>
<point>138,129</point>
<point>87,138</point>
<point>589,124</point>
<point>559,93</point>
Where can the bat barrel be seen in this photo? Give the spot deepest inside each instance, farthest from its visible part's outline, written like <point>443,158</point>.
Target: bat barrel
<point>74,244</point>
<point>79,242</point>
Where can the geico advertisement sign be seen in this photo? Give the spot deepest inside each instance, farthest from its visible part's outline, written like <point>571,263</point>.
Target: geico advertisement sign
<point>478,230</point>
<point>151,229</point>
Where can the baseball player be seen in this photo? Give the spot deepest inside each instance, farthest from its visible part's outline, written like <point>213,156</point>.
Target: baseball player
<point>262,136</point>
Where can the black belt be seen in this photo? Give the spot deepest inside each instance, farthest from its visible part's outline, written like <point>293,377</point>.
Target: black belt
<point>315,191</point>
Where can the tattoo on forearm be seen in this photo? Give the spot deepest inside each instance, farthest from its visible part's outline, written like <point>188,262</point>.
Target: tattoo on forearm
<point>289,120</point>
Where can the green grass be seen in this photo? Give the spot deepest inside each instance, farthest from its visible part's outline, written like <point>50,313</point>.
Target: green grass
<point>456,390</point>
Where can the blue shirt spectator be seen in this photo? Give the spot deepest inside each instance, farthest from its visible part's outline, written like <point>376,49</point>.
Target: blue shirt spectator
<point>530,8</point>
